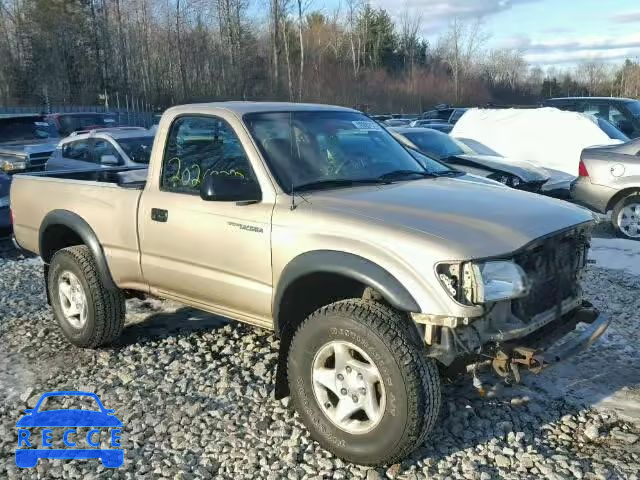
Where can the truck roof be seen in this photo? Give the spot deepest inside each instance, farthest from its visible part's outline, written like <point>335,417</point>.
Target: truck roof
<point>113,132</point>
<point>615,99</point>
<point>243,107</point>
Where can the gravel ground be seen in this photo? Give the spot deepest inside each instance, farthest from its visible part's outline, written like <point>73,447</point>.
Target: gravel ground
<point>195,394</point>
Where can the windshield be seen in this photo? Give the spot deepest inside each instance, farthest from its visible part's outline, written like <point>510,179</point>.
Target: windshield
<point>611,131</point>
<point>305,147</point>
<point>72,123</point>
<point>634,107</point>
<point>137,149</point>
<point>437,143</point>
<point>27,128</point>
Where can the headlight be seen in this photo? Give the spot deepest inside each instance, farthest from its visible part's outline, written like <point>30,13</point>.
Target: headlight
<point>11,165</point>
<point>506,179</point>
<point>475,283</point>
<point>498,280</point>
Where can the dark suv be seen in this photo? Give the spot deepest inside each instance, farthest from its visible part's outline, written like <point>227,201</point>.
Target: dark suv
<point>444,114</point>
<point>624,113</point>
<point>67,123</point>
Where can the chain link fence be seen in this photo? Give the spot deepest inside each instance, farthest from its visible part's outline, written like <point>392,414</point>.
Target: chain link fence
<point>124,116</point>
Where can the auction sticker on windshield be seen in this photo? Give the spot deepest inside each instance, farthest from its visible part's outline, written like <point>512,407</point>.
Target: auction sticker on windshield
<point>366,125</point>
<point>76,421</point>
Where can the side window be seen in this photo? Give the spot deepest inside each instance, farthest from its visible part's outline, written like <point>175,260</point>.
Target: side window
<point>199,146</point>
<point>78,150</point>
<point>103,147</point>
<point>615,116</point>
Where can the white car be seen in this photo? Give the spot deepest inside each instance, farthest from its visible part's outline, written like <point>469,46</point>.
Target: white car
<point>103,147</point>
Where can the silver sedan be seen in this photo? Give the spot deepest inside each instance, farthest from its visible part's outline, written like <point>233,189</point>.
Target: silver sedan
<point>609,180</point>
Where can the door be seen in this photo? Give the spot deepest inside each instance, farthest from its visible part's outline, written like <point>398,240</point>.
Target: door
<point>72,155</point>
<point>208,252</point>
<point>105,154</point>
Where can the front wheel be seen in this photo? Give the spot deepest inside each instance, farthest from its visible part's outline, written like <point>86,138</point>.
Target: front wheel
<point>361,383</point>
<point>626,217</point>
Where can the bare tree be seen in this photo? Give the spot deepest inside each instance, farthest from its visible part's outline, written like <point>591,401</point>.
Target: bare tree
<point>459,47</point>
<point>593,75</point>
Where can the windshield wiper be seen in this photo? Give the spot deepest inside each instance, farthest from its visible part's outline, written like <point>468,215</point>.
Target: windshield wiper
<point>335,183</point>
<point>448,173</point>
<point>396,174</point>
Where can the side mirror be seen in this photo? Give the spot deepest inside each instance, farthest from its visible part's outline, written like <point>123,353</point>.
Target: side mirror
<point>229,188</point>
<point>109,160</point>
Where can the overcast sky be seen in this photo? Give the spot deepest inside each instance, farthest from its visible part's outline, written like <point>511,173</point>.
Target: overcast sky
<point>549,32</point>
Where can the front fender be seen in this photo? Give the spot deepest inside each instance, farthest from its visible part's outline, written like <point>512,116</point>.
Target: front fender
<point>348,265</point>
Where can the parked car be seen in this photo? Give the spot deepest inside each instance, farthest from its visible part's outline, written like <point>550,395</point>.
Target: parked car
<point>623,113</point>
<point>103,147</point>
<point>67,123</point>
<point>315,222</point>
<point>26,142</point>
<point>459,155</point>
<point>5,217</point>
<point>444,114</point>
<point>397,122</point>
<point>432,124</point>
<point>607,127</point>
<point>609,181</point>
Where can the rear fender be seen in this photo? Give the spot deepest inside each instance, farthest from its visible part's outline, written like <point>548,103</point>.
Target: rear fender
<point>82,229</point>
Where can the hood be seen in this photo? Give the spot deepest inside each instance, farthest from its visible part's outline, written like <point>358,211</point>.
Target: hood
<point>470,219</point>
<point>29,147</point>
<point>69,418</point>
<point>525,170</point>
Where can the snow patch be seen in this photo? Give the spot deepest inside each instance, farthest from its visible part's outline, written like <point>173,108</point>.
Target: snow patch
<point>616,254</point>
<point>547,137</point>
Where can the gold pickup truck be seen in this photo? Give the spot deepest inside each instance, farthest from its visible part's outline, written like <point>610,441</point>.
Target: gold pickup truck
<point>374,264</point>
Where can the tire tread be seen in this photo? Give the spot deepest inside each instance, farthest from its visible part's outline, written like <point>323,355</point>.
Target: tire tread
<point>109,305</point>
<point>422,381</point>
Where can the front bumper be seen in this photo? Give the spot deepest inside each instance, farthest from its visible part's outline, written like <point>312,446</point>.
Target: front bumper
<point>537,345</point>
<point>546,345</point>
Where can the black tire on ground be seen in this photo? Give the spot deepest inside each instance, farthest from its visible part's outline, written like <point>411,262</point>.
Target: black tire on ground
<point>411,380</point>
<point>106,308</point>
<point>633,198</point>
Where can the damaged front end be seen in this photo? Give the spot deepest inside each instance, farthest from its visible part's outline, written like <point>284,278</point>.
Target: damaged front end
<point>531,300</point>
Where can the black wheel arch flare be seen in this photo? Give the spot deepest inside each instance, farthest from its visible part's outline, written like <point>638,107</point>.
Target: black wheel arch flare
<point>83,230</point>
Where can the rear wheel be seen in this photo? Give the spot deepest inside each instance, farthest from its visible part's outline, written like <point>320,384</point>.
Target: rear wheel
<point>361,383</point>
<point>626,217</point>
<point>89,314</point>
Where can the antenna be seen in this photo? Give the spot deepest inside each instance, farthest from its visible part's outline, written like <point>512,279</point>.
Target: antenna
<point>293,198</point>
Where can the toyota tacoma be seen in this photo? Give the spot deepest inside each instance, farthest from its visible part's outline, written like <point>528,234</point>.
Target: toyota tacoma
<point>376,268</point>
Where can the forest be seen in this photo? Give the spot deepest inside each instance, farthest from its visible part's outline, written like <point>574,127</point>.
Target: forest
<point>162,52</point>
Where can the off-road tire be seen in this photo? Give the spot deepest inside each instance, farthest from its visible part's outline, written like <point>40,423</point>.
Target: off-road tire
<point>411,380</point>
<point>106,308</point>
<point>633,198</point>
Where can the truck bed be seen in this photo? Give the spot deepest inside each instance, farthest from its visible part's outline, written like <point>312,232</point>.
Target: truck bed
<point>134,178</point>
<point>107,200</point>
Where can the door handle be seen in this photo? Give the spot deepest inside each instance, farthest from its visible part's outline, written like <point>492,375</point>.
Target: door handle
<point>159,215</point>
